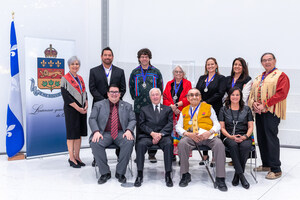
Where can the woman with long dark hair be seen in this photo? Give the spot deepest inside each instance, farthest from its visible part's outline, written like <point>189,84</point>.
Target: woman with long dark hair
<point>237,125</point>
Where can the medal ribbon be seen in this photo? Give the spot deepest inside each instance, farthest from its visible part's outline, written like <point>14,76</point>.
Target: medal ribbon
<point>144,75</point>
<point>265,75</point>
<point>77,80</point>
<point>208,82</point>
<point>193,113</point>
<point>232,83</point>
<point>176,89</point>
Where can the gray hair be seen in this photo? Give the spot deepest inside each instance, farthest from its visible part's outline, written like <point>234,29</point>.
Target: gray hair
<point>153,89</point>
<point>73,59</point>
<point>180,67</point>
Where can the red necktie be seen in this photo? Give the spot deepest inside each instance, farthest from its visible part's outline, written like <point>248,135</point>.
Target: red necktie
<point>114,122</point>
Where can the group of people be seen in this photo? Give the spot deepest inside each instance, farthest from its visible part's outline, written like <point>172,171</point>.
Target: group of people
<point>214,113</point>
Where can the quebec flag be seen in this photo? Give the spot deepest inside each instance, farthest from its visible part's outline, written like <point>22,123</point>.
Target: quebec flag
<point>15,133</point>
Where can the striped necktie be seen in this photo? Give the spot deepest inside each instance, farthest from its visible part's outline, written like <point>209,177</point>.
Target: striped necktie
<point>114,123</point>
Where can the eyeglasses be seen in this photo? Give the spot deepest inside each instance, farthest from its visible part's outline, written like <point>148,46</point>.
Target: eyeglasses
<point>114,92</point>
<point>266,60</point>
<point>194,95</point>
<point>178,72</point>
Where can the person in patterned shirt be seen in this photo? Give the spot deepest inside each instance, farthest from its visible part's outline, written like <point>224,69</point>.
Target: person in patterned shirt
<point>142,80</point>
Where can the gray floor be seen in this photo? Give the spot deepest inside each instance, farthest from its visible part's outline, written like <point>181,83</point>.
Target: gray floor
<point>52,178</point>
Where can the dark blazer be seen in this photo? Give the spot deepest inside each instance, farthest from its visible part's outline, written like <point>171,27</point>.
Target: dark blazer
<point>148,121</point>
<point>215,93</point>
<point>98,82</point>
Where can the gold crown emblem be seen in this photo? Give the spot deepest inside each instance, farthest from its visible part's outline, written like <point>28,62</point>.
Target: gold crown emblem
<point>50,52</point>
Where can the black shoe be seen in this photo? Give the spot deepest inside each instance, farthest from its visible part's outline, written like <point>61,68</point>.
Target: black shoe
<point>138,181</point>
<point>152,159</point>
<point>74,165</point>
<point>134,160</point>
<point>235,180</point>
<point>94,163</point>
<point>80,163</point>
<point>121,178</point>
<point>202,162</point>
<point>186,178</point>
<point>103,178</point>
<point>169,181</point>
<point>221,185</point>
<point>244,181</point>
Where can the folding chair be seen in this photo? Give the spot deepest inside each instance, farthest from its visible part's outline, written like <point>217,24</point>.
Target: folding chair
<point>113,146</point>
<point>206,148</point>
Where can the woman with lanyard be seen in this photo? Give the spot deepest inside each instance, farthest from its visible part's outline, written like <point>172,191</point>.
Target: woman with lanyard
<point>240,78</point>
<point>75,109</point>
<point>175,96</point>
<point>212,88</point>
<point>237,125</point>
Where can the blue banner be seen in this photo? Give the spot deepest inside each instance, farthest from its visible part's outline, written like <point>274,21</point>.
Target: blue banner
<point>15,133</point>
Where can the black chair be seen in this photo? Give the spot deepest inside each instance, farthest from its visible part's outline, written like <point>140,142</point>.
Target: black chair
<point>113,146</point>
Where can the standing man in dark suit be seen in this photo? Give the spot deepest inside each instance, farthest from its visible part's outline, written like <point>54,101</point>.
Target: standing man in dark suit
<point>112,121</point>
<point>104,75</point>
<point>142,80</point>
<point>156,123</point>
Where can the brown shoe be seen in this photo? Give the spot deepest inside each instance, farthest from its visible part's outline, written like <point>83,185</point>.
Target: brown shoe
<point>262,169</point>
<point>273,175</point>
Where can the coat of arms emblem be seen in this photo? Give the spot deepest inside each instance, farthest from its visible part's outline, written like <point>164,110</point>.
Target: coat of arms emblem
<point>50,70</point>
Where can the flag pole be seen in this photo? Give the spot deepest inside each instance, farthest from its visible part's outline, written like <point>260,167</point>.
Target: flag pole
<point>19,155</point>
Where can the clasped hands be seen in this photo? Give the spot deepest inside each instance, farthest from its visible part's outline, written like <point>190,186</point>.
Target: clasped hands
<point>258,107</point>
<point>156,137</point>
<point>237,138</point>
<point>196,137</point>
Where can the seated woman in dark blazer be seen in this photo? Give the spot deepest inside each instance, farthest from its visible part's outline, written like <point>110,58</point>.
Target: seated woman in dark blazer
<point>237,125</point>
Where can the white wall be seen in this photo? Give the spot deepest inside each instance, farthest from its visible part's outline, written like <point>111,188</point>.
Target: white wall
<point>194,30</point>
<point>78,20</point>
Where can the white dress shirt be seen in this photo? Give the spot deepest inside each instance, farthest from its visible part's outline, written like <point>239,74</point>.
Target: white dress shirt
<point>109,70</point>
<point>216,125</point>
<point>154,106</point>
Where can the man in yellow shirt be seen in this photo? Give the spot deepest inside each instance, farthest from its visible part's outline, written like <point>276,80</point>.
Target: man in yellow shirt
<point>199,125</point>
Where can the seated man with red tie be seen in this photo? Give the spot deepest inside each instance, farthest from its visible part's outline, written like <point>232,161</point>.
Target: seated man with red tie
<point>112,121</point>
<point>156,123</point>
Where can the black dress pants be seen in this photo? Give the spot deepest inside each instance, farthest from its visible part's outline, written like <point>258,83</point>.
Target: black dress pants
<point>268,141</point>
<point>165,144</point>
<point>239,152</point>
<point>138,131</point>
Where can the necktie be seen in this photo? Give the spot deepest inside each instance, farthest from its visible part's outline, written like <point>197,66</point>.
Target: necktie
<point>156,113</point>
<point>114,123</point>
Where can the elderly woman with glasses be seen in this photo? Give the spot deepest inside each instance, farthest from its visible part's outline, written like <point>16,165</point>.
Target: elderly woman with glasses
<point>175,96</point>
<point>75,108</point>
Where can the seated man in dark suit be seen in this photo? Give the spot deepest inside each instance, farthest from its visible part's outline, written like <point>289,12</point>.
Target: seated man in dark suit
<point>112,121</point>
<point>156,123</point>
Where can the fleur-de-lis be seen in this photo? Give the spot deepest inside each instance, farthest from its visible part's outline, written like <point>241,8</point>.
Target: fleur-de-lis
<point>10,128</point>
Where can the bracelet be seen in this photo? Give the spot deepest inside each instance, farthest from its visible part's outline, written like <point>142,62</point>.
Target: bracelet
<point>211,131</point>
<point>176,104</point>
<point>246,136</point>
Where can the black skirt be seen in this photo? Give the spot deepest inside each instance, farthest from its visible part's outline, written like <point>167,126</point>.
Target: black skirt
<point>76,123</point>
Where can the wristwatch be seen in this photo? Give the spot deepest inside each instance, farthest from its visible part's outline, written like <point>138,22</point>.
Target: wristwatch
<point>176,104</point>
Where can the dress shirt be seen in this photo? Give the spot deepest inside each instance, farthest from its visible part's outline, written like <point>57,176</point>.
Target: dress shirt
<point>216,125</point>
<point>154,106</point>
<point>108,124</point>
<point>106,72</point>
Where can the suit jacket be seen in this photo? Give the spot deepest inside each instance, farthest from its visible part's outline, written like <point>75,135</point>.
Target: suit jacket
<point>98,82</point>
<point>148,121</point>
<point>100,114</point>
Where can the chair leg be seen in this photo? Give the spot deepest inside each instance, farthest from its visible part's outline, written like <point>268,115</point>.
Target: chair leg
<point>130,166</point>
<point>206,166</point>
<point>96,170</point>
